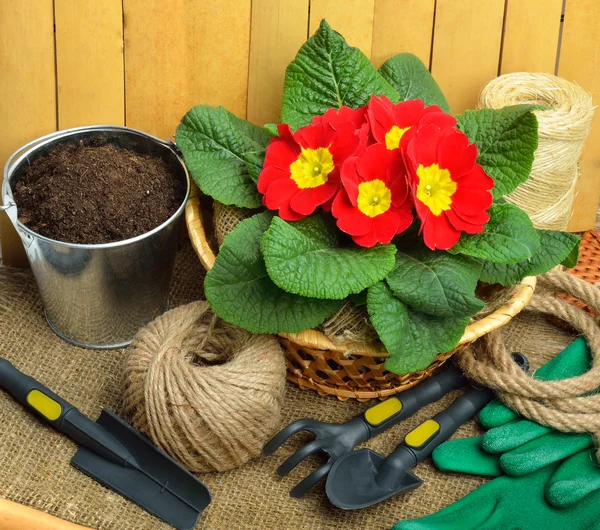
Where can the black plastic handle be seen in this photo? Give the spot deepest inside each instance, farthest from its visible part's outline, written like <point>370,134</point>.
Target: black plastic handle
<point>423,439</point>
<point>59,413</point>
<point>397,408</point>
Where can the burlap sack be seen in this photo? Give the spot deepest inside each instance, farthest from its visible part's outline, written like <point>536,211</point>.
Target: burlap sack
<point>34,459</point>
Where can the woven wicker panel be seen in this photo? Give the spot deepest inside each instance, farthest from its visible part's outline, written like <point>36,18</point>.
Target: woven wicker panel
<point>352,370</point>
<point>587,268</point>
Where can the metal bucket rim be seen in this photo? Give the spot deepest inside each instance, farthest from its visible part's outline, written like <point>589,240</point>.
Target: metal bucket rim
<point>8,171</point>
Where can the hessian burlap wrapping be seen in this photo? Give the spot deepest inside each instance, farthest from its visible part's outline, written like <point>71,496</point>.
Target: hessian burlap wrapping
<point>34,459</point>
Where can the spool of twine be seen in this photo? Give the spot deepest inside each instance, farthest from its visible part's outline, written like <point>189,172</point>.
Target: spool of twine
<point>206,392</point>
<point>568,405</point>
<point>548,194</point>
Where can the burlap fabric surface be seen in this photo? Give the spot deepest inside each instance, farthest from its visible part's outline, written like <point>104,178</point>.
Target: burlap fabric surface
<point>34,459</point>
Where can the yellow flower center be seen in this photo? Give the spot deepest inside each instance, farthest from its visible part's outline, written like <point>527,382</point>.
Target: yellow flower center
<point>393,137</point>
<point>374,198</point>
<point>435,188</point>
<point>311,168</point>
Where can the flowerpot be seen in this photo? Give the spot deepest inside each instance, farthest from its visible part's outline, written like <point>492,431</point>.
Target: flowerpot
<point>100,295</point>
<point>353,370</point>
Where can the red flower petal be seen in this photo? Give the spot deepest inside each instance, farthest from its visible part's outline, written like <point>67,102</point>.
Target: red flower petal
<point>423,147</point>
<point>306,201</point>
<point>381,117</point>
<point>408,113</point>
<point>336,117</point>
<point>351,179</point>
<point>374,162</point>
<point>344,144</point>
<point>438,233</point>
<point>281,153</point>
<point>397,181</point>
<point>349,219</point>
<point>462,224</point>
<point>437,117</point>
<point>269,175</point>
<point>456,155</point>
<point>278,197</point>
<point>368,240</point>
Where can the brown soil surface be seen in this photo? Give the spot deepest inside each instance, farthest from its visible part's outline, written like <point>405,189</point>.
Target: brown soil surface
<point>96,194</point>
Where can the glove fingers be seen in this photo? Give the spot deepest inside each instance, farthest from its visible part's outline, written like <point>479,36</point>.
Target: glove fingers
<point>496,414</point>
<point>543,451</point>
<point>576,478</point>
<point>512,435</point>
<point>466,456</point>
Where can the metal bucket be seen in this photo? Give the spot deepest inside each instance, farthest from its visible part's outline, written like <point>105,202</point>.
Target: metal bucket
<point>99,296</point>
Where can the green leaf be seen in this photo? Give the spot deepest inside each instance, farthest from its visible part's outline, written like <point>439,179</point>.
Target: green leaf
<point>573,258</point>
<point>223,153</point>
<point>412,339</point>
<point>509,237</point>
<point>304,258</point>
<point>412,80</point>
<point>507,139</point>
<point>271,129</point>
<point>240,291</point>
<point>555,248</point>
<point>327,73</point>
<point>436,283</point>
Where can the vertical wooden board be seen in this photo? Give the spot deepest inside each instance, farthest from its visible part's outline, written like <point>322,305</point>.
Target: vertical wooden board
<point>27,90</point>
<point>580,62</point>
<point>183,53</point>
<point>352,18</point>
<point>279,28</point>
<point>89,62</point>
<point>466,48</point>
<point>402,26</point>
<point>531,32</point>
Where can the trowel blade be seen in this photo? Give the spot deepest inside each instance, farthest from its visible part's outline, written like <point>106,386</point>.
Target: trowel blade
<point>351,483</point>
<point>160,485</point>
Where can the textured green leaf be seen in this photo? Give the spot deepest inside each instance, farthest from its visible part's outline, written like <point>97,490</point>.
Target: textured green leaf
<point>412,339</point>
<point>555,247</point>
<point>507,139</point>
<point>240,291</point>
<point>412,80</point>
<point>327,73</point>
<point>223,153</point>
<point>271,129</point>
<point>436,283</point>
<point>573,258</point>
<point>304,258</point>
<point>509,237</point>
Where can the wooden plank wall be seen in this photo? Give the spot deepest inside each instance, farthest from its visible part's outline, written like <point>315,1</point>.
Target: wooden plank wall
<point>144,63</point>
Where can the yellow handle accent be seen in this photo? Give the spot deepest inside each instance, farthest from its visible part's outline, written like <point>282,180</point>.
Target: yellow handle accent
<point>45,405</point>
<point>420,435</point>
<point>383,411</point>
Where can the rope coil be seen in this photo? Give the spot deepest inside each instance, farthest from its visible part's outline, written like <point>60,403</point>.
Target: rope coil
<point>560,404</point>
<point>547,196</point>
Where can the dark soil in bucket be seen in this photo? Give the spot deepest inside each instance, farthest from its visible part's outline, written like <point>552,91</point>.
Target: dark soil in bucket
<point>99,193</point>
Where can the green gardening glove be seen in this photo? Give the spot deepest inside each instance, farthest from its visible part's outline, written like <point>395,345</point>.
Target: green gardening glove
<point>516,446</point>
<point>511,503</point>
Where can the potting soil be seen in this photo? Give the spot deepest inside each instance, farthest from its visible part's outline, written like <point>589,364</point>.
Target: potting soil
<point>99,193</point>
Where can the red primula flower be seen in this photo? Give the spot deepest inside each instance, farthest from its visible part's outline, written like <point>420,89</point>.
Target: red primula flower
<point>373,204</point>
<point>302,169</point>
<point>450,189</point>
<point>394,125</point>
<point>337,117</point>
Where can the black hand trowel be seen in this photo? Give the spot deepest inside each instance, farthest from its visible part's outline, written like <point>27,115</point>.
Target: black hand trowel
<point>364,478</point>
<point>115,454</point>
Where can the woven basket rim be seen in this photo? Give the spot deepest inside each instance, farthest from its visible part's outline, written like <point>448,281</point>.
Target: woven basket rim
<point>315,339</point>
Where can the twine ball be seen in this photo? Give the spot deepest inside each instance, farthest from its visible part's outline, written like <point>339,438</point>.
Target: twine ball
<point>547,196</point>
<point>207,392</point>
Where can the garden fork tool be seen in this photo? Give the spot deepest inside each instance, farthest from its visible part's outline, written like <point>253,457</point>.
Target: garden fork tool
<point>363,478</point>
<point>337,440</point>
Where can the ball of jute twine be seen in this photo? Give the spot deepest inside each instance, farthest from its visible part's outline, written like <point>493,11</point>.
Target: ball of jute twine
<point>205,391</point>
<point>558,404</point>
<point>547,196</point>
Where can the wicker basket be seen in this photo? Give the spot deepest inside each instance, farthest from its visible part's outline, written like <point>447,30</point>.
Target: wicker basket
<point>315,362</point>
